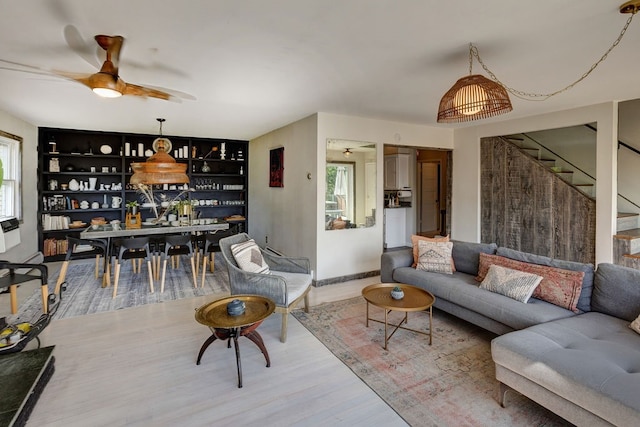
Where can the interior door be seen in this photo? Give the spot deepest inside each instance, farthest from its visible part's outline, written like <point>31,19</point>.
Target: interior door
<point>429,204</point>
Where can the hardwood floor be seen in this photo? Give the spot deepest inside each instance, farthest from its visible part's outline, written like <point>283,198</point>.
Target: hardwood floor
<point>137,367</point>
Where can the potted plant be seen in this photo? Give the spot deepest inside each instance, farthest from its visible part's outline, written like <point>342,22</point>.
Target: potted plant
<point>397,293</point>
<point>132,206</point>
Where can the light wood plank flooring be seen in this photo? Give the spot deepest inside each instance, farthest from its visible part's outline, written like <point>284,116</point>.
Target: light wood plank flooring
<point>137,367</point>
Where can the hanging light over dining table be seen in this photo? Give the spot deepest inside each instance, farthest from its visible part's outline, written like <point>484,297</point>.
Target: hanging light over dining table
<point>161,168</point>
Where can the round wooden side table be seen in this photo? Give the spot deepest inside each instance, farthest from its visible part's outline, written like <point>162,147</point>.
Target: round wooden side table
<point>223,326</point>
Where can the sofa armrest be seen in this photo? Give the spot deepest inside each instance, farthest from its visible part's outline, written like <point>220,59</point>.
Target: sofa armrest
<point>389,261</point>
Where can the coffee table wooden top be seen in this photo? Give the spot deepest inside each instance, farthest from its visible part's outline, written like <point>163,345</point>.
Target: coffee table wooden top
<point>214,314</point>
<point>415,299</point>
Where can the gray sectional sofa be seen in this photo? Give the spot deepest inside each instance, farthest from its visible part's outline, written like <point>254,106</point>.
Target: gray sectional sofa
<point>583,366</point>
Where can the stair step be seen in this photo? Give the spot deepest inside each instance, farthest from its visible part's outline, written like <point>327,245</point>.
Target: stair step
<point>586,188</point>
<point>631,234</point>
<point>564,174</point>
<point>533,152</point>
<point>626,221</point>
<point>548,162</point>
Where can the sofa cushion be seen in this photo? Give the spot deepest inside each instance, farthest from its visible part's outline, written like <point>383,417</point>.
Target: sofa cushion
<point>415,240</point>
<point>591,360</point>
<point>558,286</point>
<point>466,255</point>
<point>249,258</point>
<point>463,290</point>
<point>435,256</point>
<point>584,302</point>
<point>514,284</point>
<point>616,291</point>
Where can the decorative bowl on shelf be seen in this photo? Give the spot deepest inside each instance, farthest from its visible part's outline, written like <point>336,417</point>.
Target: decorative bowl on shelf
<point>105,149</point>
<point>397,293</point>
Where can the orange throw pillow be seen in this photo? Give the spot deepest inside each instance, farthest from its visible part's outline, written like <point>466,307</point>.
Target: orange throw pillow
<point>414,242</point>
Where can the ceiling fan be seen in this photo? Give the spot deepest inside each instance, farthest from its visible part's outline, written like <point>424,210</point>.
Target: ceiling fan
<point>107,82</point>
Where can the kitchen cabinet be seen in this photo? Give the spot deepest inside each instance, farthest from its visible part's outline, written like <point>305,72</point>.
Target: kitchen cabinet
<point>396,172</point>
<point>100,164</point>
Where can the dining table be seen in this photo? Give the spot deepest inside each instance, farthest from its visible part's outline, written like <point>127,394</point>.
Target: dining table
<point>109,232</point>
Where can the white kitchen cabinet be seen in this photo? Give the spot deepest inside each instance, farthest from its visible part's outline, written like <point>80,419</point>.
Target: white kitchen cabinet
<point>396,172</point>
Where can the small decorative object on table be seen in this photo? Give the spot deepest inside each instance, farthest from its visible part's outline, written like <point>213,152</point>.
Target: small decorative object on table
<point>235,308</point>
<point>397,293</point>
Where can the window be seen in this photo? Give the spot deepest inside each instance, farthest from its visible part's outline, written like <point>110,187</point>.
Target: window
<point>10,194</point>
<point>340,191</point>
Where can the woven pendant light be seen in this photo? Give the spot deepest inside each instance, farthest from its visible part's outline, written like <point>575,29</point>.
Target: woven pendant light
<point>160,168</point>
<point>473,97</point>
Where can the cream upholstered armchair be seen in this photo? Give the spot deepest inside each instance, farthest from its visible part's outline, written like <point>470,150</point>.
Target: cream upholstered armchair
<point>287,281</point>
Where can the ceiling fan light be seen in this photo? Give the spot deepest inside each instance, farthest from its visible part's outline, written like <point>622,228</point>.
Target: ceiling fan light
<point>347,152</point>
<point>473,97</point>
<point>106,92</point>
<point>106,85</point>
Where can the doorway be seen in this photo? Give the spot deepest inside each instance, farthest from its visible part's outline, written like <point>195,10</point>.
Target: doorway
<point>433,192</point>
<point>429,198</point>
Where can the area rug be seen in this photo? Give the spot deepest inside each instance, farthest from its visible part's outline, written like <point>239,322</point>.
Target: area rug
<point>84,293</point>
<point>451,382</point>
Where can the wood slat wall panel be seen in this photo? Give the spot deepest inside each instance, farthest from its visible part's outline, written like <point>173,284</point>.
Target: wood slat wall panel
<point>527,207</point>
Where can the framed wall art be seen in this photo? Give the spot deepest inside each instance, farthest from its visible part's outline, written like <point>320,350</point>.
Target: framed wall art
<point>276,167</point>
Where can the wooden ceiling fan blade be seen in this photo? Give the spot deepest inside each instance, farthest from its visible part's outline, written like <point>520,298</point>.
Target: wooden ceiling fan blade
<point>137,90</point>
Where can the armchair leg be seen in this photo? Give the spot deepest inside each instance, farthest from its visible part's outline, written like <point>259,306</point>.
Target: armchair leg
<point>283,331</point>
<point>306,302</point>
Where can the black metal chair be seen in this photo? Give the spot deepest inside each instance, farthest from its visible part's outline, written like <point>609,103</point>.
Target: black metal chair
<point>17,274</point>
<point>83,249</point>
<point>136,248</point>
<point>174,246</point>
<point>211,243</point>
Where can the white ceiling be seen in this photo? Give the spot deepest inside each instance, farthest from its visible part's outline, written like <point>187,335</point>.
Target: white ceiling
<point>256,65</point>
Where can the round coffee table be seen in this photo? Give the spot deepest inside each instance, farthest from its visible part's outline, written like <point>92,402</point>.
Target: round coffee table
<point>415,299</point>
<point>226,327</point>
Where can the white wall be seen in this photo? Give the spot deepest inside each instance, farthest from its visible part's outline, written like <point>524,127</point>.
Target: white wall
<point>287,216</point>
<point>352,251</point>
<point>466,169</point>
<point>28,227</point>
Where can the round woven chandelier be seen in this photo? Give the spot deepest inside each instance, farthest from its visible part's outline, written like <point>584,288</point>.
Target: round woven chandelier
<point>475,97</point>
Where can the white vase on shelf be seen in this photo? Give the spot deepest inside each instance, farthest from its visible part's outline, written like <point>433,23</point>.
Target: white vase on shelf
<point>92,183</point>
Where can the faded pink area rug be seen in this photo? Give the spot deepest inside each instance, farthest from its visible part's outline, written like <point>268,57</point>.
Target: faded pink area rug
<point>450,383</point>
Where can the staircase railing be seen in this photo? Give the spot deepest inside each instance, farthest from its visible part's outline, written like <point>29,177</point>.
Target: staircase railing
<point>628,147</point>
<point>559,157</point>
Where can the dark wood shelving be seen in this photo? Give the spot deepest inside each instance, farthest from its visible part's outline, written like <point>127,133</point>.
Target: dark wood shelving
<point>72,148</point>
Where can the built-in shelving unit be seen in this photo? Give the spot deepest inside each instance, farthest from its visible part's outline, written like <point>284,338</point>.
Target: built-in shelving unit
<point>100,162</point>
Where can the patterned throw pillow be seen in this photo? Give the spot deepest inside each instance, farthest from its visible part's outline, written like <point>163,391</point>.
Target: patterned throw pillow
<point>414,242</point>
<point>635,325</point>
<point>435,256</point>
<point>558,286</point>
<point>514,284</point>
<point>249,257</point>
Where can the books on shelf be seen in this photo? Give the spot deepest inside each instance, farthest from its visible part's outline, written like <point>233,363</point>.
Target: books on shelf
<point>55,222</point>
<point>54,246</point>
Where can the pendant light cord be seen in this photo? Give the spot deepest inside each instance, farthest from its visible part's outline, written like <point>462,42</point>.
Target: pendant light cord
<point>530,96</point>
